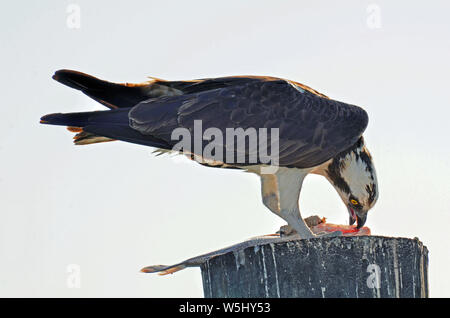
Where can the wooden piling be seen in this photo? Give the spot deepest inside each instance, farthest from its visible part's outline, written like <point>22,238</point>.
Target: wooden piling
<point>343,267</point>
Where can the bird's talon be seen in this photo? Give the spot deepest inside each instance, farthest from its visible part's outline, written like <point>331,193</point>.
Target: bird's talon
<point>286,230</point>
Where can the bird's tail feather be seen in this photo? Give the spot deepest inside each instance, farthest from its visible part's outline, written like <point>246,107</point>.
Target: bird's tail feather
<point>101,126</point>
<point>82,119</point>
<point>112,95</point>
<point>163,269</point>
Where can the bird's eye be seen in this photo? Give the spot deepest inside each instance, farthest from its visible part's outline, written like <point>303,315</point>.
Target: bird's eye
<point>354,202</point>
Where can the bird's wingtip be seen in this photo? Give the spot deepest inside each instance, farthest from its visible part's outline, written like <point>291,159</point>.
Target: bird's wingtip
<point>46,119</point>
<point>153,269</point>
<point>162,269</point>
<point>56,76</point>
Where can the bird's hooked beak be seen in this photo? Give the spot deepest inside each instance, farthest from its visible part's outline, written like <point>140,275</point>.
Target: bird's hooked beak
<point>359,217</point>
<point>352,216</point>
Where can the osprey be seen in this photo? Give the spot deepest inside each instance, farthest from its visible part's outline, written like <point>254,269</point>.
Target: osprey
<point>314,134</point>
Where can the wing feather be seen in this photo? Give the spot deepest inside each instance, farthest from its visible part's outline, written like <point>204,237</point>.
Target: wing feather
<point>312,127</point>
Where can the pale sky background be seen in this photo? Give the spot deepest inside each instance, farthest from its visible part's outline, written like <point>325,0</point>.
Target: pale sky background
<point>113,208</point>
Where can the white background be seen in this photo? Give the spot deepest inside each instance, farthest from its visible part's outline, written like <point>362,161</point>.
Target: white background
<point>113,208</point>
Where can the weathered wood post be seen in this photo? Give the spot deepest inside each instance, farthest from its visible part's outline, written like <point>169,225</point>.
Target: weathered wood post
<point>358,266</point>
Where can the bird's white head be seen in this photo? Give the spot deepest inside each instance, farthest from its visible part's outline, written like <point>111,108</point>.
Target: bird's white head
<point>353,175</point>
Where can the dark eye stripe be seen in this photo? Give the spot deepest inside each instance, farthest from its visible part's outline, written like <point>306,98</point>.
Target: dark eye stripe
<point>372,191</point>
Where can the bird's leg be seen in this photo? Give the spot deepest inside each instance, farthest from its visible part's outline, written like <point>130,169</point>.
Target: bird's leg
<point>296,222</point>
<point>289,185</point>
<point>281,192</point>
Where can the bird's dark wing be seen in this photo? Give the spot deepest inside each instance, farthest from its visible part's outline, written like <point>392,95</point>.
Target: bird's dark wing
<point>124,95</point>
<point>312,128</point>
<point>205,84</point>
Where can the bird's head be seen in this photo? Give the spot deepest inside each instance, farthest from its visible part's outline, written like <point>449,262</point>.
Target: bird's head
<point>353,175</point>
